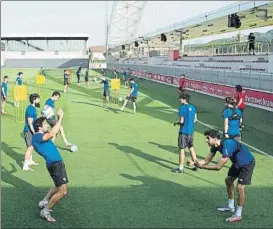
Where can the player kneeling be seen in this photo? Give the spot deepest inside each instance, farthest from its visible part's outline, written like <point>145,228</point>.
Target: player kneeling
<point>43,145</point>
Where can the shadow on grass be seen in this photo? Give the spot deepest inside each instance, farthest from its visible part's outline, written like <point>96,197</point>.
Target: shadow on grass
<point>144,201</point>
<point>18,157</point>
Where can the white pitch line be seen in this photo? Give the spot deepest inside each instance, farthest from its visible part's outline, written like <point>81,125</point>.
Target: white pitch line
<point>209,126</point>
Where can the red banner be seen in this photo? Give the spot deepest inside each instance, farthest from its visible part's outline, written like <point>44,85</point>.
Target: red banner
<point>252,97</point>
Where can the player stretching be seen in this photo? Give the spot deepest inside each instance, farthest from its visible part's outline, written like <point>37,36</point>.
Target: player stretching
<point>187,117</point>
<point>4,93</point>
<point>132,96</point>
<point>66,78</point>
<point>232,120</point>
<point>48,113</point>
<point>44,146</point>
<point>30,117</point>
<point>242,167</point>
<point>106,92</point>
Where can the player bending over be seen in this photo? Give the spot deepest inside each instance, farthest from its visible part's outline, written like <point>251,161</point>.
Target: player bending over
<point>43,145</point>
<point>187,118</point>
<point>242,167</point>
<point>106,92</point>
<point>232,120</point>
<point>132,96</point>
<point>49,114</point>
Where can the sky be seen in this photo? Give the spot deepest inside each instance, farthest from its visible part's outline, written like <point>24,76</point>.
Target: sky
<point>89,17</point>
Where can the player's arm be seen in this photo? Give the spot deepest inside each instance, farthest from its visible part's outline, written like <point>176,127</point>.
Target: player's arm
<point>56,128</point>
<point>207,160</point>
<point>240,101</point>
<point>217,167</point>
<point>195,118</point>
<point>30,124</point>
<point>225,126</point>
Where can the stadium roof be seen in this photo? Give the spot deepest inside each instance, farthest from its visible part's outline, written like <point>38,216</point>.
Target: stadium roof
<point>215,22</point>
<point>47,35</point>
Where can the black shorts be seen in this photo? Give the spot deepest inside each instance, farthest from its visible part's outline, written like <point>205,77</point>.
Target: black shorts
<point>52,121</point>
<point>86,79</point>
<point>251,46</point>
<point>65,81</point>
<point>185,140</point>
<point>3,98</point>
<point>106,93</point>
<point>131,98</point>
<point>28,138</point>
<point>58,173</point>
<point>236,137</point>
<point>244,173</point>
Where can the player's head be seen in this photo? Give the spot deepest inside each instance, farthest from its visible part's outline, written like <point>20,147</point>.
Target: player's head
<point>55,95</point>
<point>80,68</point>
<point>184,98</point>
<point>212,137</point>
<point>238,88</point>
<point>183,76</point>
<point>40,125</point>
<point>6,78</point>
<point>230,101</point>
<point>132,80</point>
<point>34,99</point>
<point>20,74</point>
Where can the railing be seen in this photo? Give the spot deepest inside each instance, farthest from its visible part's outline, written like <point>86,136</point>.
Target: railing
<point>233,48</point>
<point>260,81</point>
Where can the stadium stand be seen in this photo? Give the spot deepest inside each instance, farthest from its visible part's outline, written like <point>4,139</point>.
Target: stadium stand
<point>49,51</point>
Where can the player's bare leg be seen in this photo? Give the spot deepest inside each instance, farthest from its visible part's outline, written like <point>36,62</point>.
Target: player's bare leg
<point>28,159</point>
<point>43,203</point>
<point>134,107</point>
<point>57,196</point>
<point>124,104</point>
<point>3,107</point>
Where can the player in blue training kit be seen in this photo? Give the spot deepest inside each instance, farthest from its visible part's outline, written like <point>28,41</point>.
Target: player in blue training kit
<point>132,96</point>
<point>79,74</point>
<point>51,118</point>
<point>43,145</point>
<point>232,120</point>
<point>30,117</point>
<point>4,93</point>
<point>106,92</point>
<point>242,167</point>
<point>187,117</point>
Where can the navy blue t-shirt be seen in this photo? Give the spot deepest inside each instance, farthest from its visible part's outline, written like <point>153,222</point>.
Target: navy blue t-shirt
<point>106,84</point>
<point>30,113</point>
<point>228,148</point>
<point>5,87</point>
<point>188,112</point>
<point>233,125</point>
<point>19,81</point>
<point>46,149</point>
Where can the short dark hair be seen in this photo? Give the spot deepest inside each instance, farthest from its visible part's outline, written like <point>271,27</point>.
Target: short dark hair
<point>212,133</point>
<point>20,73</point>
<point>56,93</point>
<point>5,77</point>
<point>38,123</point>
<point>33,97</point>
<point>238,88</point>
<point>132,79</point>
<point>185,96</point>
<point>230,100</point>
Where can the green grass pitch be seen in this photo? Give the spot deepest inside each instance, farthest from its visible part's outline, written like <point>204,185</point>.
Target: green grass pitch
<point>121,176</point>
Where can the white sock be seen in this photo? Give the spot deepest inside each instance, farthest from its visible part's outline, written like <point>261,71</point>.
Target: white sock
<point>181,167</point>
<point>239,211</point>
<point>230,203</point>
<point>134,105</point>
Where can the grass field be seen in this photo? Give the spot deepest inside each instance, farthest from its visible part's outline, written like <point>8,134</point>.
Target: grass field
<point>121,177</point>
